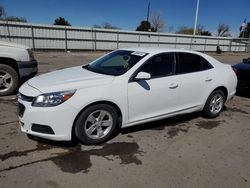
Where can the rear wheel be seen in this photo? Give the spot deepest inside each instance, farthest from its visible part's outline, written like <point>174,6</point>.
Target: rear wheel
<point>214,104</point>
<point>96,124</point>
<point>8,80</point>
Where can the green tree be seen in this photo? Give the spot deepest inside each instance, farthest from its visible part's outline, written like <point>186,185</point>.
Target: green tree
<point>15,19</point>
<point>10,18</point>
<point>145,26</point>
<point>201,31</point>
<point>189,31</point>
<point>105,25</point>
<point>185,30</point>
<point>2,13</point>
<point>246,32</point>
<point>61,21</point>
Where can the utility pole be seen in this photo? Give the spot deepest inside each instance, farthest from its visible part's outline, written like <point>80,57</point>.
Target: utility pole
<point>196,16</point>
<point>148,11</point>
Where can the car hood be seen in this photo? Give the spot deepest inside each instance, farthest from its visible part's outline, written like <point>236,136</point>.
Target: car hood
<point>68,79</point>
<point>12,44</point>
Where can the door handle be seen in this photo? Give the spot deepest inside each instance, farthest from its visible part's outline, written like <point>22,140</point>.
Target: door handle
<point>208,79</point>
<point>173,86</point>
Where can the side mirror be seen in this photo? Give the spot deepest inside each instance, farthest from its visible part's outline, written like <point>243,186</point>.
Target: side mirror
<point>143,76</point>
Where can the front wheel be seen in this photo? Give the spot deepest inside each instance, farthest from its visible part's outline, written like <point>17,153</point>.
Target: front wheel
<point>96,124</point>
<point>9,80</point>
<point>214,104</point>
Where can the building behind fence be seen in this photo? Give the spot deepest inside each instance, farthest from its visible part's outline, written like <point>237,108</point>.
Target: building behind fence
<point>50,37</point>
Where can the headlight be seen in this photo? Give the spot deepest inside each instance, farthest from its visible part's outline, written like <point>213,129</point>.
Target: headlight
<point>52,99</point>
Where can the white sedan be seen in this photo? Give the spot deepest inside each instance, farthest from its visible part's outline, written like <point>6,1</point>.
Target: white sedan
<point>123,88</point>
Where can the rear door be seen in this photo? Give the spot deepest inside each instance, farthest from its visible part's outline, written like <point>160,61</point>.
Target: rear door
<point>195,79</point>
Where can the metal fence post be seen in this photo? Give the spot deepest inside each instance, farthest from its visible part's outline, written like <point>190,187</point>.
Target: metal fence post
<point>92,35</point>
<point>8,29</point>
<point>248,44</point>
<point>117,41</point>
<point>95,40</point>
<point>191,43</point>
<point>158,40</point>
<point>230,45</point>
<point>66,40</point>
<point>175,42</point>
<point>139,39</point>
<point>32,37</point>
<point>205,45</point>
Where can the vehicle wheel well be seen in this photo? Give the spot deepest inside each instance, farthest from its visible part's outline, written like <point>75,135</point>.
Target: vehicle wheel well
<point>9,62</point>
<point>223,89</point>
<point>73,136</point>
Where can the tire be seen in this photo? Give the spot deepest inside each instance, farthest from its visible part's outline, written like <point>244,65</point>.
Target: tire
<point>96,124</point>
<point>214,104</point>
<point>9,80</point>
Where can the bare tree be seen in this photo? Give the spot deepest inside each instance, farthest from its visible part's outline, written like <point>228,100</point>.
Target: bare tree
<point>157,21</point>
<point>223,30</point>
<point>189,31</point>
<point>2,12</point>
<point>185,30</point>
<point>105,25</point>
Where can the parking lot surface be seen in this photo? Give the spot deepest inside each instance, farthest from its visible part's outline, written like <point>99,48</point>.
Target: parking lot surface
<point>184,151</point>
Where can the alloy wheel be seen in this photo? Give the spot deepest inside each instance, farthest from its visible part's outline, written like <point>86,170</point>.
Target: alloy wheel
<point>216,104</point>
<point>6,81</point>
<point>98,124</point>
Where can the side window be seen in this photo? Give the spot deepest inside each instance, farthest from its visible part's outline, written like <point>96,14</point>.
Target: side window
<point>188,63</point>
<point>206,64</point>
<point>160,65</point>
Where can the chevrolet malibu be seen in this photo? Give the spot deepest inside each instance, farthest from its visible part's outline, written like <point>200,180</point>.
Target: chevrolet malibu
<point>123,88</point>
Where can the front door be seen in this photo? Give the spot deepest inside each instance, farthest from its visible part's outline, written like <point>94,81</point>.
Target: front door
<point>158,95</point>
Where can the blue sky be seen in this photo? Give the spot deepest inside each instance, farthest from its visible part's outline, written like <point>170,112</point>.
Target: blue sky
<point>127,14</point>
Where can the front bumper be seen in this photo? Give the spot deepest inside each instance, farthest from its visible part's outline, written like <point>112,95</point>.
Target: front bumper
<point>27,69</point>
<point>53,123</point>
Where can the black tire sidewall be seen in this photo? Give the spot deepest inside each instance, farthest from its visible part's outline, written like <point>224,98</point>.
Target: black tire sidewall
<point>14,76</point>
<point>206,109</point>
<point>79,126</point>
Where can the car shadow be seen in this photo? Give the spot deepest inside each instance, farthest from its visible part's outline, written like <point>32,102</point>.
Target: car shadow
<point>162,124</point>
<point>155,125</point>
<point>63,144</point>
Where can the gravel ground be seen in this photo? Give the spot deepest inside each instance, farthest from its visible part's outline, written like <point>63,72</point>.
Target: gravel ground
<point>184,151</point>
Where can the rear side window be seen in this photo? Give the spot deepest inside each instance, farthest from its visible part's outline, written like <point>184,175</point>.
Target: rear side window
<point>206,64</point>
<point>188,63</point>
<point>160,65</point>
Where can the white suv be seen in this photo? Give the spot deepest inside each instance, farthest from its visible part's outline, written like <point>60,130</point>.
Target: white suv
<point>126,87</point>
<point>17,64</point>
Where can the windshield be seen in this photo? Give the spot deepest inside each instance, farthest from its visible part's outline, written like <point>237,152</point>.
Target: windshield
<point>116,63</point>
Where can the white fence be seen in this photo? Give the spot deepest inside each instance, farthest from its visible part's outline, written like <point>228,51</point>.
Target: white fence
<point>50,37</point>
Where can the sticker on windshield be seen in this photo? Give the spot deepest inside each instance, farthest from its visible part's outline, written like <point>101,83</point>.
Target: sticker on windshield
<point>139,53</point>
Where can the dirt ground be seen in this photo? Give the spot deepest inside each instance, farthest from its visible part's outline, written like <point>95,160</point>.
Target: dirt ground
<point>184,151</point>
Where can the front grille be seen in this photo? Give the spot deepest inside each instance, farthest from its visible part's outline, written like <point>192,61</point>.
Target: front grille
<point>20,109</point>
<point>25,98</point>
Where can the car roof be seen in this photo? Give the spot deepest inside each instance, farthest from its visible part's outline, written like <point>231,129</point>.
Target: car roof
<point>156,50</point>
